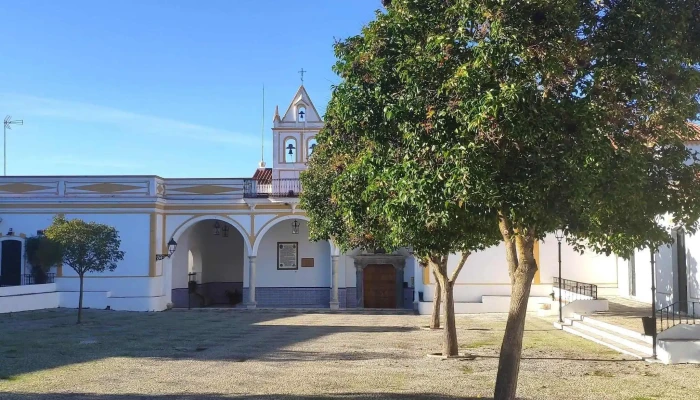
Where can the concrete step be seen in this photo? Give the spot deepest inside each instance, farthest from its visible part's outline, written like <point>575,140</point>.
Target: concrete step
<point>620,348</point>
<point>590,320</point>
<point>638,345</point>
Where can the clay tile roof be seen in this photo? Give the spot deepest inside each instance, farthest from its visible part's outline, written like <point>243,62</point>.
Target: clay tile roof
<point>263,175</point>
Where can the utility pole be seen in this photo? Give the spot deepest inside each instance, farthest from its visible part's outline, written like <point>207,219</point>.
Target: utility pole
<point>7,124</point>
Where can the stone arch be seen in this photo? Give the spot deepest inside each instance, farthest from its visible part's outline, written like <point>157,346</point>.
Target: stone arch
<point>192,221</point>
<point>271,223</point>
<point>219,267</point>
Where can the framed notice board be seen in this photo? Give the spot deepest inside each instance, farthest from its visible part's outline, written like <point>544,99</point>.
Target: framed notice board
<point>287,255</point>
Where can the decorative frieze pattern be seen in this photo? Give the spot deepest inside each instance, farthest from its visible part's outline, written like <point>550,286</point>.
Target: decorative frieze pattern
<point>120,187</point>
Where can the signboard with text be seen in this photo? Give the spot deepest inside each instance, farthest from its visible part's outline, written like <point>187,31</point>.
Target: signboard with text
<point>287,255</point>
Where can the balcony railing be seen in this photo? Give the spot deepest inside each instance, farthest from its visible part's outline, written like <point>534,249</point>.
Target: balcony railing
<point>254,189</point>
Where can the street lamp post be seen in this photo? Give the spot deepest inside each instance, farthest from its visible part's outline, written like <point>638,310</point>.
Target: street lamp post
<point>653,300</point>
<point>7,124</point>
<point>559,234</point>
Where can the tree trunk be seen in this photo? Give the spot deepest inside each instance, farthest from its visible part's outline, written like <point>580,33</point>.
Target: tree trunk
<point>450,346</point>
<point>522,267</point>
<point>80,299</point>
<point>435,317</point>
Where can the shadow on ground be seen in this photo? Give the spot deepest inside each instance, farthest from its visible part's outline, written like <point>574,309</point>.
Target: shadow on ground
<point>347,396</point>
<point>41,340</point>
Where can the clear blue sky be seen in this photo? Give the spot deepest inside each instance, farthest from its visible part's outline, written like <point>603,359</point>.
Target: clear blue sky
<point>166,87</point>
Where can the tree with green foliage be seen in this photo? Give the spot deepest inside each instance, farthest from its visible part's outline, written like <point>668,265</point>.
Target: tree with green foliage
<point>86,247</point>
<point>544,114</point>
<point>43,254</point>
<point>349,197</point>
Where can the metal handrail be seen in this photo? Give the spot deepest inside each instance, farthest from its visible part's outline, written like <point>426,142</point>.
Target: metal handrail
<point>680,312</point>
<point>253,188</point>
<point>30,279</point>
<point>575,288</point>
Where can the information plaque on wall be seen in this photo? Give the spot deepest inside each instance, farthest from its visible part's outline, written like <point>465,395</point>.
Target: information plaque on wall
<point>287,255</point>
<point>307,262</point>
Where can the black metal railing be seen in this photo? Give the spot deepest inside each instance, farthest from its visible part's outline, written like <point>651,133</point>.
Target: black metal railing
<point>680,312</point>
<point>572,290</point>
<point>253,188</point>
<point>31,279</point>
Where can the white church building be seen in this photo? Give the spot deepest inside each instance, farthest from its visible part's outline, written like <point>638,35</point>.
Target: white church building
<point>243,242</point>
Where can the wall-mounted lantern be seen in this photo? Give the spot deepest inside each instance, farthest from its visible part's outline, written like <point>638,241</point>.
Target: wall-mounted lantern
<point>295,227</point>
<point>172,245</point>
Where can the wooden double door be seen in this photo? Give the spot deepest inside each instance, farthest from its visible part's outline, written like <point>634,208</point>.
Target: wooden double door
<point>379,286</point>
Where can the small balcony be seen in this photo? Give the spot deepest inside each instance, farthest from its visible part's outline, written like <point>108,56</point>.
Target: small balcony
<point>263,189</point>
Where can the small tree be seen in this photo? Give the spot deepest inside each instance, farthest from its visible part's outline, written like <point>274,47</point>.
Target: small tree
<point>86,247</point>
<point>377,195</point>
<point>43,254</point>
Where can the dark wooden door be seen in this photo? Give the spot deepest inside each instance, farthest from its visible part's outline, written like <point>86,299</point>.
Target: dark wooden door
<point>11,263</point>
<point>682,271</point>
<point>379,284</point>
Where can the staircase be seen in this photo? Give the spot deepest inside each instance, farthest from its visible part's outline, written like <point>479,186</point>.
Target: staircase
<point>622,340</point>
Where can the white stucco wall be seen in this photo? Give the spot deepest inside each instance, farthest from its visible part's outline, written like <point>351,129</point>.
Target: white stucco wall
<point>26,298</point>
<point>486,272</point>
<point>692,256</point>
<point>680,344</point>
<point>588,267</point>
<point>267,274</point>
<point>350,273</point>
<point>134,231</point>
<point>222,257</point>
<point>666,273</point>
<point>180,260</point>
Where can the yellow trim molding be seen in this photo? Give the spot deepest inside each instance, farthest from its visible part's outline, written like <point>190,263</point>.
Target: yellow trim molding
<point>108,277</point>
<point>272,207</point>
<point>163,245</point>
<point>108,187</point>
<point>25,188</point>
<point>204,189</point>
<point>152,252</point>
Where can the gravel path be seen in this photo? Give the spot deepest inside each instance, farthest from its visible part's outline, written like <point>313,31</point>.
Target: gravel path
<point>239,354</point>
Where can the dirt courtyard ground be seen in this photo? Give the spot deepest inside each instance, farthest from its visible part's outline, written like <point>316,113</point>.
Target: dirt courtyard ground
<point>239,354</point>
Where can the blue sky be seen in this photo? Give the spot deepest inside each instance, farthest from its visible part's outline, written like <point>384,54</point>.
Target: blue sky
<point>166,87</point>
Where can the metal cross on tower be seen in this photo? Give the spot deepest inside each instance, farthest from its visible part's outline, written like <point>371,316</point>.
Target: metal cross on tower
<point>302,72</point>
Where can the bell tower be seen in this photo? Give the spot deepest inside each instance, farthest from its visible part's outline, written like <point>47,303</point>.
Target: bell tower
<point>294,136</point>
